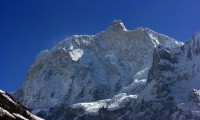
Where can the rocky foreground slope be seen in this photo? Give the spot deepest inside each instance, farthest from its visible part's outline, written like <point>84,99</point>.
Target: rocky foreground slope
<point>11,110</point>
<point>115,74</point>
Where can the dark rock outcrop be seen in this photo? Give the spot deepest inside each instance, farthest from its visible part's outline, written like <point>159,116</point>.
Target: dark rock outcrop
<point>11,110</point>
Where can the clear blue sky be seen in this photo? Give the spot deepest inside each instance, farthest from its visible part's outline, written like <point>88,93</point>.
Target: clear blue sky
<point>29,26</point>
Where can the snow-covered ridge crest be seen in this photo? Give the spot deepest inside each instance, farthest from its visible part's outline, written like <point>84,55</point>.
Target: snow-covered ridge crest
<point>117,25</point>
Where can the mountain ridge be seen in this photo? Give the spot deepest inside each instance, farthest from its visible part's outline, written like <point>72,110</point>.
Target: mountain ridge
<point>11,110</point>
<point>128,74</point>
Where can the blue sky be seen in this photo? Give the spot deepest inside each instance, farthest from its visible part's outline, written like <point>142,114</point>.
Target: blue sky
<point>30,26</point>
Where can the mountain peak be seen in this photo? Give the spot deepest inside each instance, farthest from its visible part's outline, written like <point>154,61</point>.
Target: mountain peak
<point>112,66</point>
<point>117,25</point>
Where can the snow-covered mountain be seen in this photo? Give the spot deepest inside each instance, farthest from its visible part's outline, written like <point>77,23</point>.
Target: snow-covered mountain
<point>115,74</point>
<point>11,110</point>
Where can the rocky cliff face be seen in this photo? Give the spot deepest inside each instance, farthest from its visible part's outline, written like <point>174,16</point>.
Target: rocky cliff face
<point>115,74</point>
<point>11,110</point>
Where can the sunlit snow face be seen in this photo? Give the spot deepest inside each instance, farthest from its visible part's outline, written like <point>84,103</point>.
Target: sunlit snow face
<point>76,54</point>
